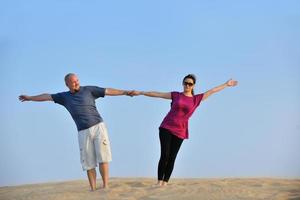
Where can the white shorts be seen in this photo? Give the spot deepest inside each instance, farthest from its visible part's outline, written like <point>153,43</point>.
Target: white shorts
<point>94,146</point>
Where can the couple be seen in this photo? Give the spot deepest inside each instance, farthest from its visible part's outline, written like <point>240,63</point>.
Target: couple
<point>93,138</point>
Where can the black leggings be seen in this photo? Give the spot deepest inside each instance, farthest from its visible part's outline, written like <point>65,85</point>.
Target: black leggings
<point>169,145</point>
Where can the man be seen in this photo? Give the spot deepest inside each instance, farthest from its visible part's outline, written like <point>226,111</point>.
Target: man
<point>92,134</point>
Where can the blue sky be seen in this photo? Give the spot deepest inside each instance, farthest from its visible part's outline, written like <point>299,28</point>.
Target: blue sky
<point>252,130</point>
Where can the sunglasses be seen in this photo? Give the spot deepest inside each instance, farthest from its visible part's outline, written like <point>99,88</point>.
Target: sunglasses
<point>188,84</point>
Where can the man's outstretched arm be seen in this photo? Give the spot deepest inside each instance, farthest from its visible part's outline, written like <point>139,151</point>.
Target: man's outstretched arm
<point>116,92</point>
<point>41,97</point>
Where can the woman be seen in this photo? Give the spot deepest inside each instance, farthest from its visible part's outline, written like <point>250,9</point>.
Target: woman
<point>174,128</point>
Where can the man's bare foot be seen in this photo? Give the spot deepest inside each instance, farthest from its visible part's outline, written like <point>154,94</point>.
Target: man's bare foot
<point>104,187</point>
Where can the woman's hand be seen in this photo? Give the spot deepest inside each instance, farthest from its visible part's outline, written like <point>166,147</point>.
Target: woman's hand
<point>231,83</point>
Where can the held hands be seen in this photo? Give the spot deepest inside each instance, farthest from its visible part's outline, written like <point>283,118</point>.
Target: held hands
<point>231,83</point>
<point>133,93</point>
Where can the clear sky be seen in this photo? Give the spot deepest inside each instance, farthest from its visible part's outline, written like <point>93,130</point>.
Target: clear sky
<point>252,130</point>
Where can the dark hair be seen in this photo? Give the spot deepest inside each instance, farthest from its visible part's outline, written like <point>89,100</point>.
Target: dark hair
<point>191,76</point>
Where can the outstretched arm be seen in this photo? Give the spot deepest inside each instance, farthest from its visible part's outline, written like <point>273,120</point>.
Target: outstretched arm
<point>229,83</point>
<point>164,95</point>
<point>116,92</point>
<point>41,97</point>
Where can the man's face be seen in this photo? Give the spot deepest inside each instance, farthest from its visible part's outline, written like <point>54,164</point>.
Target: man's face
<point>73,83</point>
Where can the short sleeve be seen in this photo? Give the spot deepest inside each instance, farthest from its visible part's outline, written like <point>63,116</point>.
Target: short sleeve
<point>174,95</point>
<point>58,98</point>
<point>97,91</point>
<point>198,98</point>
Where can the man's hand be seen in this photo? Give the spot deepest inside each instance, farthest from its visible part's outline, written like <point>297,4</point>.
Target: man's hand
<point>24,98</point>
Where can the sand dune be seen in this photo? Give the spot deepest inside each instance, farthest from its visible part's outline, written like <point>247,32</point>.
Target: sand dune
<point>143,189</point>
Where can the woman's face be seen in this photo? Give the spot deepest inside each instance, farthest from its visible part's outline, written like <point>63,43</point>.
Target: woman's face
<point>188,85</point>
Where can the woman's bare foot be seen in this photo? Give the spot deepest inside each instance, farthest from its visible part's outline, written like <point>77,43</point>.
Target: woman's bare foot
<point>158,184</point>
<point>164,183</point>
<point>161,183</point>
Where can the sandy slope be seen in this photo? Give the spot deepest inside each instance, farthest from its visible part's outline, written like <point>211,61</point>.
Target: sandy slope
<point>143,189</point>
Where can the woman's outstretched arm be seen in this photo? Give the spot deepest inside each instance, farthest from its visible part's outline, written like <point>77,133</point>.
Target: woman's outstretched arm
<point>164,95</point>
<point>229,83</point>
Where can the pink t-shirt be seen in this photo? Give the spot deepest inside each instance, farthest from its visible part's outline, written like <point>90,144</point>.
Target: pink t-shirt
<point>182,108</point>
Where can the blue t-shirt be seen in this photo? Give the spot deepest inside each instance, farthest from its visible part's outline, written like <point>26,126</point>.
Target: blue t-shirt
<point>81,105</point>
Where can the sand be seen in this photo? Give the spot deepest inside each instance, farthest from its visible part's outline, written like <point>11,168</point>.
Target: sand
<point>143,189</point>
